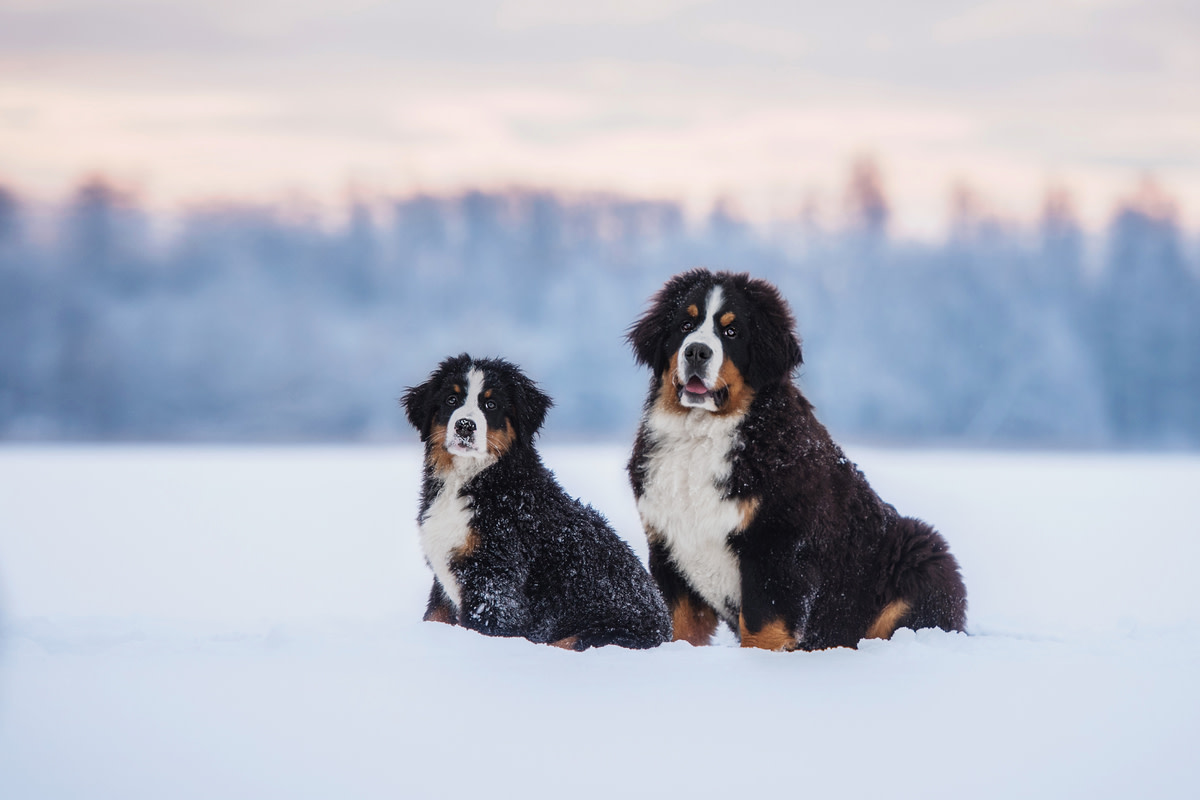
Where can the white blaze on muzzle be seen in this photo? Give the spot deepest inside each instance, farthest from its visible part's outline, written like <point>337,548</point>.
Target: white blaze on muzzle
<point>705,369</point>
<point>466,432</point>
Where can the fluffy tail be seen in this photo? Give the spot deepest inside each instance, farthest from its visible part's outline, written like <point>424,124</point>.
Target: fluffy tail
<point>925,577</point>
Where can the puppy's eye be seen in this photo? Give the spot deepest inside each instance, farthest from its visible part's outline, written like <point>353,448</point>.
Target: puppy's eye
<point>731,332</point>
<point>452,400</point>
<point>490,405</point>
<point>687,326</point>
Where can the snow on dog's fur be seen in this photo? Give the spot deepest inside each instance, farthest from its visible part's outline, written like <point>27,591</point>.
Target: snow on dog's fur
<point>753,514</point>
<point>512,554</point>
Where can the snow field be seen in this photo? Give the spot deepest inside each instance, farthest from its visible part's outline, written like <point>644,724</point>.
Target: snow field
<point>240,622</point>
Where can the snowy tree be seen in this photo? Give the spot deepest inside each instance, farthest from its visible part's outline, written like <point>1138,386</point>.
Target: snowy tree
<point>1147,325</point>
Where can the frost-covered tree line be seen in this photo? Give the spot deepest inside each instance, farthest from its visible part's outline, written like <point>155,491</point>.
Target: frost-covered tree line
<point>251,323</point>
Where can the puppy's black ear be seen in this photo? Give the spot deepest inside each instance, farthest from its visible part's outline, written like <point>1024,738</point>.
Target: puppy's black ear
<point>776,351</point>
<point>417,407</point>
<point>530,405</point>
<point>648,336</point>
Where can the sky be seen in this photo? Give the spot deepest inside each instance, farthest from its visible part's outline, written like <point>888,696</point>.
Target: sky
<point>766,104</point>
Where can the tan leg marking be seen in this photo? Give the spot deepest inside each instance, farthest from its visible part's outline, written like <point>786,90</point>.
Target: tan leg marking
<point>443,614</point>
<point>569,643</point>
<point>694,624</point>
<point>773,636</point>
<point>885,624</point>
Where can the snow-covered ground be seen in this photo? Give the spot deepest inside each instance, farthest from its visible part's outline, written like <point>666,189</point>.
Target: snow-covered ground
<point>244,623</point>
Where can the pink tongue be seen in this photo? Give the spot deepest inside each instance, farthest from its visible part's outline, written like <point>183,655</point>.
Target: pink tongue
<point>696,386</point>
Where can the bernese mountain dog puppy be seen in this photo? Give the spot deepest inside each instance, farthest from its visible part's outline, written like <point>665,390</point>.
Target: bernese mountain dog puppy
<point>512,554</point>
<point>754,516</point>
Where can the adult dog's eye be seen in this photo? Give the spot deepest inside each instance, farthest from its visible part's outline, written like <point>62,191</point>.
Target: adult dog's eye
<point>452,400</point>
<point>490,405</point>
<point>687,326</point>
<point>731,332</point>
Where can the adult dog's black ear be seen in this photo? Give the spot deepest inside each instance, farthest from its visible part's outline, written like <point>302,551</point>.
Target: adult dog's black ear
<point>776,352</point>
<point>649,334</point>
<point>417,407</point>
<point>529,406</point>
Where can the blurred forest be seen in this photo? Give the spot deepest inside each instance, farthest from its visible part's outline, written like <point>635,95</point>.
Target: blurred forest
<point>253,323</point>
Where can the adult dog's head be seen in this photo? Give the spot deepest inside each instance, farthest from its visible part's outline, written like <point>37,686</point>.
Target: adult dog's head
<point>715,339</point>
<point>472,412</point>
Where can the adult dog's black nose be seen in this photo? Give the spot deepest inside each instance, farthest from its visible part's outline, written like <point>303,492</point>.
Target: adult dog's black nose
<point>464,427</point>
<point>697,353</point>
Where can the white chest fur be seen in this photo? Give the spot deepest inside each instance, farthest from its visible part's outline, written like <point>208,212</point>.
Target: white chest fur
<point>444,528</point>
<point>682,503</point>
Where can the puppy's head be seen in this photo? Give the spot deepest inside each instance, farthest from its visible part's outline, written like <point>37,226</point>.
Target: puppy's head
<point>472,412</point>
<point>714,339</point>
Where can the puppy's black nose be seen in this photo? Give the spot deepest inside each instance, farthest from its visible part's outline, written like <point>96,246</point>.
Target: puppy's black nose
<point>697,352</point>
<point>464,427</point>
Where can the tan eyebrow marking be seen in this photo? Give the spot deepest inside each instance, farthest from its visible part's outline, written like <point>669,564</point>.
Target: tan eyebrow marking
<point>457,389</point>
<point>727,318</point>
<point>693,311</point>
<point>488,393</point>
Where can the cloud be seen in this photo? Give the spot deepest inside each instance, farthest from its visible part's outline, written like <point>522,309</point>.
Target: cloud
<point>534,14</point>
<point>692,98</point>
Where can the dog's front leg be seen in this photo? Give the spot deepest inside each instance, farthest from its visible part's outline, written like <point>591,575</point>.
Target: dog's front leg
<point>771,615</point>
<point>493,603</point>
<point>692,619</point>
<point>440,608</point>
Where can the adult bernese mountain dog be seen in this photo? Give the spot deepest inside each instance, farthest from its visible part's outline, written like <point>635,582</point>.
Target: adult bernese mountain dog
<point>512,554</point>
<point>753,514</point>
